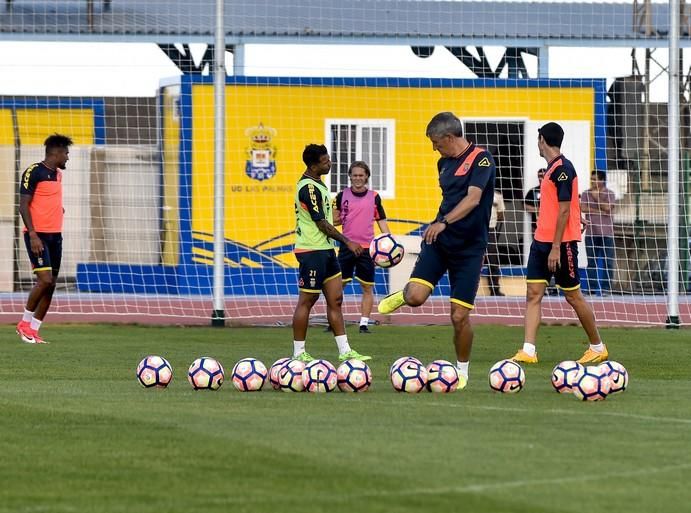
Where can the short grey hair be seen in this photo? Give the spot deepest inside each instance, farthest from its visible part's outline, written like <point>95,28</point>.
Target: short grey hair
<point>444,123</point>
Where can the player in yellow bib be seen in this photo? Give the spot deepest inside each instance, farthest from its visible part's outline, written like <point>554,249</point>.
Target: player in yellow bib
<point>314,250</point>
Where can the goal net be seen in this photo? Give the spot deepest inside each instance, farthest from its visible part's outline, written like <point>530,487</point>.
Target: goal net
<point>131,83</point>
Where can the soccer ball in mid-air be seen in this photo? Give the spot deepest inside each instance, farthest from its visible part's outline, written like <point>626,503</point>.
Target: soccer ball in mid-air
<point>386,251</point>
<point>154,372</point>
<point>592,385</point>
<point>205,373</point>
<point>409,376</point>
<point>442,377</point>
<point>618,375</point>
<point>565,374</point>
<point>273,372</point>
<point>249,375</point>
<point>354,376</point>
<point>507,377</point>
<point>290,376</point>
<point>319,376</point>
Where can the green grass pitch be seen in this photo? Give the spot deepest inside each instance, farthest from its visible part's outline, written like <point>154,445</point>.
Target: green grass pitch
<point>79,434</point>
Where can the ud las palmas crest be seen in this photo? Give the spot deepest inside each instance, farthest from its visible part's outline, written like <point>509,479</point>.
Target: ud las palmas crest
<point>261,154</point>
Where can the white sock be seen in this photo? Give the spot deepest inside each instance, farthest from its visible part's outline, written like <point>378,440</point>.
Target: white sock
<point>35,324</point>
<point>298,348</point>
<point>598,348</point>
<point>342,343</point>
<point>27,316</point>
<point>462,368</point>
<point>529,348</point>
<point>364,321</point>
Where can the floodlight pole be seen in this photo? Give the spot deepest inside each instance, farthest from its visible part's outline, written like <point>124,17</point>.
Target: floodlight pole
<point>673,120</point>
<point>219,71</point>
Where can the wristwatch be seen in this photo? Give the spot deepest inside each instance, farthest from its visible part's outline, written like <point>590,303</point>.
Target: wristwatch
<point>444,220</point>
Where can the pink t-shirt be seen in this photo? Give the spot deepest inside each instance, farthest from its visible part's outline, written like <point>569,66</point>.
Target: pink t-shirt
<point>599,223</point>
<point>358,213</point>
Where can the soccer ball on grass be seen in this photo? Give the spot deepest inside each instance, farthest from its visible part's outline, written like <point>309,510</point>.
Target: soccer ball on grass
<point>507,377</point>
<point>442,377</point>
<point>592,385</point>
<point>319,376</point>
<point>354,376</point>
<point>290,376</point>
<point>273,372</point>
<point>249,375</point>
<point>409,376</point>
<point>565,374</point>
<point>206,373</point>
<point>618,375</point>
<point>154,372</point>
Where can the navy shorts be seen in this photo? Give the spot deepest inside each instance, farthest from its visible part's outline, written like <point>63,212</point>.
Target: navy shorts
<point>464,266</point>
<point>316,268</point>
<point>566,277</point>
<point>51,257</point>
<point>362,265</point>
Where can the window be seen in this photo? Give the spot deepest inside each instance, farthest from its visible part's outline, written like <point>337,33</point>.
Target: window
<point>371,140</point>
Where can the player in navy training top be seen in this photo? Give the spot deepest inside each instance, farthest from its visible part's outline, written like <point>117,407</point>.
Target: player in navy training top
<point>456,241</point>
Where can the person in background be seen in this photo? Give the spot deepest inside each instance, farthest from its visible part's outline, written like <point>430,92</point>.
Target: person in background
<point>495,222</point>
<point>42,211</point>
<point>597,204</point>
<point>357,208</point>
<point>531,202</point>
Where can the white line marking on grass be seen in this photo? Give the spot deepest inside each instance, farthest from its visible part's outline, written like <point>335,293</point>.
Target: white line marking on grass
<point>558,411</point>
<point>479,488</point>
<point>473,488</point>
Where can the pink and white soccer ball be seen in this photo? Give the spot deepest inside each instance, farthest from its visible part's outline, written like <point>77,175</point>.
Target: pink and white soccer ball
<point>206,373</point>
<point>154,372</point>
<point>319,376</point>
<point>402,359</point>
<point>409,376</point>
<point>273,372</point>
<point>290,376</point>
<point>618,376</point>
<point>354,376</point>
<point>565,374</point>
<point>442,377</point>
<point>592,385</point>
<point>507,377</point>
<point>386,251</point>
<point>249,375</point>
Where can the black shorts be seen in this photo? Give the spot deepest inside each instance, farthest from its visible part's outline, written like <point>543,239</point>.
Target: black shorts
<point>316,268</point>
<point>362,265</point>
<point>464,266</point>
<point>566,277</point>
<point>51,258</point>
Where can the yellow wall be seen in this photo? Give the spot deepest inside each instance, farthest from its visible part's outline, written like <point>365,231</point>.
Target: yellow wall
<point>257,211</point>
<point>171,180</point>
<point>8,186</point>
<point>33,126</point>
<point>37,124</point>
<point>6,127</point>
